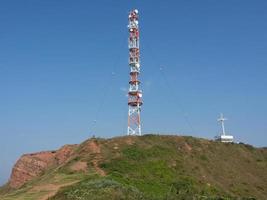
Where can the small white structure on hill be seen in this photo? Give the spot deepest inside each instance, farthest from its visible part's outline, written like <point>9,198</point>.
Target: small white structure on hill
<point>223,137</point>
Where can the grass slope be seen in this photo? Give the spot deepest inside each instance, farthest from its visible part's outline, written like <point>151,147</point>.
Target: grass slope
<point>154,167</point>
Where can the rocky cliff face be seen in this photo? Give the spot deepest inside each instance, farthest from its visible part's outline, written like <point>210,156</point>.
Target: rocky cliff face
<point>30,166</point>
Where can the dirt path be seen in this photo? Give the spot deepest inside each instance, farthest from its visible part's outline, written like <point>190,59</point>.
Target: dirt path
<point>52,188</point>
<point>100,171</point>
<point>94,148</point>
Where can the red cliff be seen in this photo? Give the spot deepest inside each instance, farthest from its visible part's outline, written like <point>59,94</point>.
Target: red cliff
<point>30,166</point>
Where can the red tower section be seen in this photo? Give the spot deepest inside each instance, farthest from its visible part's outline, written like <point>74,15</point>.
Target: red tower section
<point>134,94</point>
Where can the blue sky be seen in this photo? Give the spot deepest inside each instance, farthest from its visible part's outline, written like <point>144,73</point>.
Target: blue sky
<point>64,71</point>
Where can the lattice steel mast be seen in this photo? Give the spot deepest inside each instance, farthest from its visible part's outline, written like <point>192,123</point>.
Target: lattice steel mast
<point>134,94</point>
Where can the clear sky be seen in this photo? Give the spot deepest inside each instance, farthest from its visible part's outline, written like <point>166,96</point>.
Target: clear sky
<point>64,71</point>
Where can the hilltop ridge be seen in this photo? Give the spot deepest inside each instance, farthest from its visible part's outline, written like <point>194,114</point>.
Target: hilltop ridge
<point>144,167</point>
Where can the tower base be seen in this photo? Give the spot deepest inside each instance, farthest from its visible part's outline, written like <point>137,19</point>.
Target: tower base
<point>225,138</point>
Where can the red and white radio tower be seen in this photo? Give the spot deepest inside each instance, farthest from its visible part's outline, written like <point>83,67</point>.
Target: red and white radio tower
<point>134,94</point>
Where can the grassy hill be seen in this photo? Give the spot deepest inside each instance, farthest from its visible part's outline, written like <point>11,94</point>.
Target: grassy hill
<point>152,167</point>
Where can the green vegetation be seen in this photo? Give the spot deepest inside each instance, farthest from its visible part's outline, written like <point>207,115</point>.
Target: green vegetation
<point>154,167</point>
<point>99,189</point>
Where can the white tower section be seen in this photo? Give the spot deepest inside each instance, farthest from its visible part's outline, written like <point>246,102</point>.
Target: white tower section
<point>134,94</point>
<point>222,119</point>
<point>223,137</point>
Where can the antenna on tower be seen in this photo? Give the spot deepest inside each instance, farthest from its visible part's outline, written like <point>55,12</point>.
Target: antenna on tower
<point>134,94</point>
<point>223,137</point>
